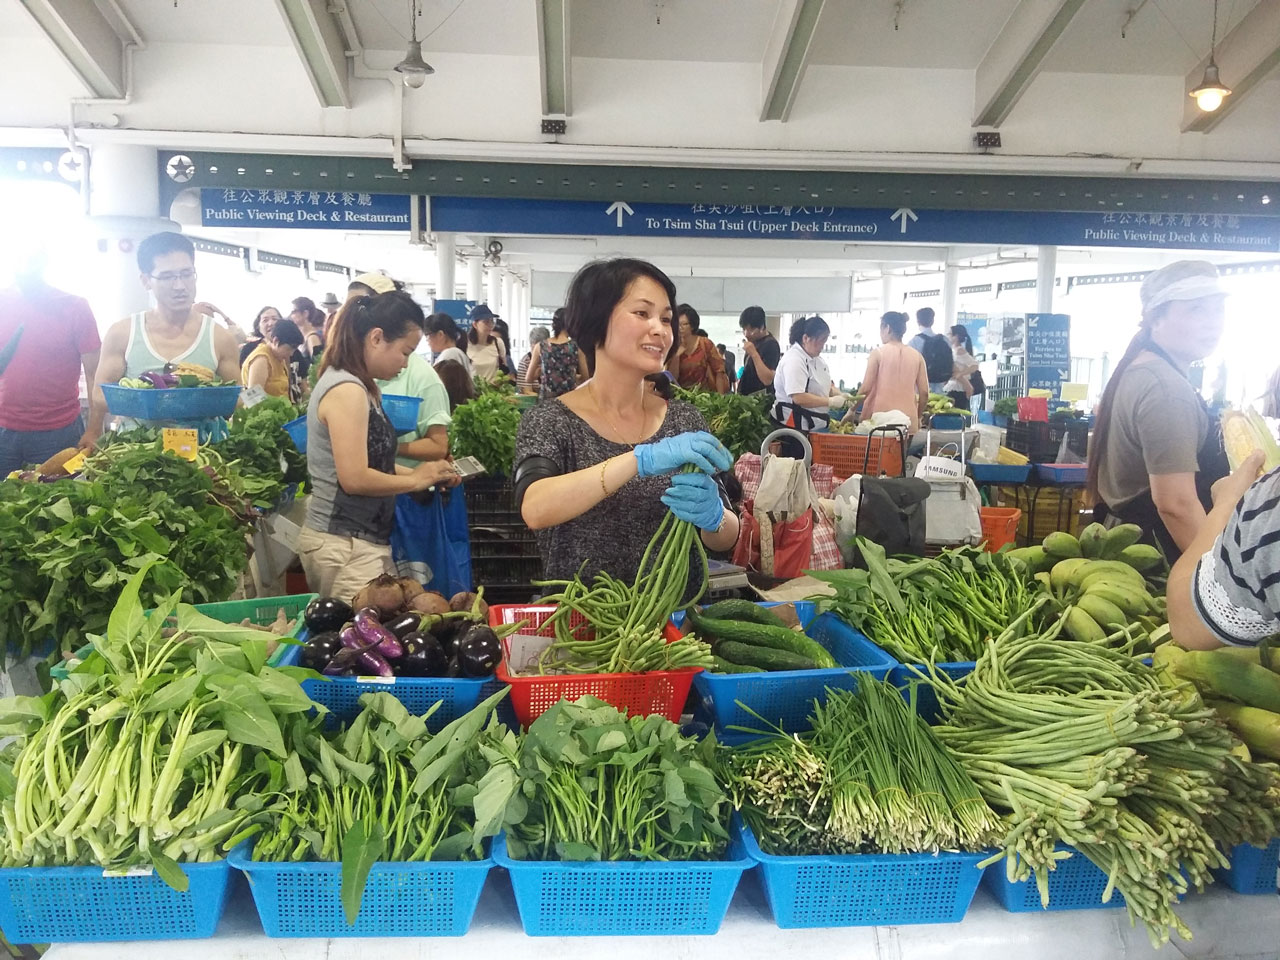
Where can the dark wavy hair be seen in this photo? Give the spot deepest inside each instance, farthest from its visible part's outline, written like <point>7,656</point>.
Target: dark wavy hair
<point>596,289</point>
<point>808,327</point>
<point>394,313</point>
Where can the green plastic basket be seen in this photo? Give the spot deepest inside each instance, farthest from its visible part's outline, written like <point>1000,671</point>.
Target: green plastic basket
<point>261,611</point>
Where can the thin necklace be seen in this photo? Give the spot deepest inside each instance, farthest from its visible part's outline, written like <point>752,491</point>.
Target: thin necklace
<point>613,423</point>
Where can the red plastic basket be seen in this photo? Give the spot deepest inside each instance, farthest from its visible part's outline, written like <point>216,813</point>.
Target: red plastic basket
<point>661,691</point>
<point>999,526</point>
<point>848,453</point>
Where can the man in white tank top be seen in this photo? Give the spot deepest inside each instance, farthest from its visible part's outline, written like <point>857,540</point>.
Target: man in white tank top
<point>172,330</point>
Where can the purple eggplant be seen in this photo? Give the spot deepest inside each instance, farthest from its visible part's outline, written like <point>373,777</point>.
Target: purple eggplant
<point>343,664</point>
<point>375,635</point>
<point>374,665</point>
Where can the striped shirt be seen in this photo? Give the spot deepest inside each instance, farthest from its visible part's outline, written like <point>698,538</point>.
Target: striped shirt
<point>1236,590</point>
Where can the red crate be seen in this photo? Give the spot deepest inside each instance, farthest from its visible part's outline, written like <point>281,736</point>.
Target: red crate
<point>848,453</point>
<point>999,526</point>
<point>661,691</point>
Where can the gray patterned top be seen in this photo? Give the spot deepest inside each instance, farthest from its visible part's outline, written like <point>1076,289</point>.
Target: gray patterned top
<point>613,534</point>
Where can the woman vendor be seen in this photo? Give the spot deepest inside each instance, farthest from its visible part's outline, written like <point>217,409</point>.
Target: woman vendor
<point>598,468</point>
<point>351,447</point>
<point>802,382</point>
<point>1156,450</point>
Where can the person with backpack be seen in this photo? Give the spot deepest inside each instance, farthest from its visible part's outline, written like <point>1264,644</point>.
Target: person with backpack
<point>935,349</point>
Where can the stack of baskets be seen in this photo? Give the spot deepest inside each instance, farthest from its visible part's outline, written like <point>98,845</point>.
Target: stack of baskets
<point>504,552</point>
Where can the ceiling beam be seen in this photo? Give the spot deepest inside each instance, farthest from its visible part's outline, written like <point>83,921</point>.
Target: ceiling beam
<point>87,41</point>
<point>786,56</point>
<point>1245,57</point>
<point>1016,56</point>
<point>554,58</point>
<point>319,41</point>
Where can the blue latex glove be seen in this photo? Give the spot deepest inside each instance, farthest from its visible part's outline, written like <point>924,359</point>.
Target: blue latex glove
<point>696,498</point>
<point>667,456</point>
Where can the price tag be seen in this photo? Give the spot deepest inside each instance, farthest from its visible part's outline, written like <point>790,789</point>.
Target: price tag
<point>130,872</point>
<point>76,462</point>
<point>251,396</point>
<point>375,680</point>
<point>181,441</point>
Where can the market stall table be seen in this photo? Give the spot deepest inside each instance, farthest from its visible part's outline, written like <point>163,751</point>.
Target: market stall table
<point>1226,926</point>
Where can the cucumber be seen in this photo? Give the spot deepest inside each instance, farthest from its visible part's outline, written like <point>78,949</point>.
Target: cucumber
<point>761,635</point>
<point>724,666</point>
<point>766,658</point>
<point>742,610</point>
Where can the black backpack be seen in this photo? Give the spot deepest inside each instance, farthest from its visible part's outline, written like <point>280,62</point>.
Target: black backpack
<point>938,362</point>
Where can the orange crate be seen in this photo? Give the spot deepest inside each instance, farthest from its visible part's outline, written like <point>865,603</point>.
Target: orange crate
<point>661,691</point>
<point>999,526</point>
<point>848,454</point>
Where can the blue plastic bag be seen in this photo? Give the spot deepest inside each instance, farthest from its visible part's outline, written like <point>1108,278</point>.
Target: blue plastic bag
<point>430,542</point>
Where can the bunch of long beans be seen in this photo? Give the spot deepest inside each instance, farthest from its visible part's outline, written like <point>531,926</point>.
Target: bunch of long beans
<point>931,610</point>
<point>1080,744</point>
<point>621,625</point>
<point>870,778</point>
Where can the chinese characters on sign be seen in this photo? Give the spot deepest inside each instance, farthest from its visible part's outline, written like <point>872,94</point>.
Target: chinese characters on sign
<point>312,209</point>
<point>1172,231</point>
<point>1048,350</point>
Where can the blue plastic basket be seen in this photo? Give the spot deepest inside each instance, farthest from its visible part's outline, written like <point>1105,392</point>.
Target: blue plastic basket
<point>861,890</point>
<point>178,403</point>
<point>1066,473</point>
<point>76,904</point>
<point>1253,869</point>
<point>1000,472</point>
<point>622,898</point>
<point>947,421</point>
<point>341,695</point>
<point>1074,884</point>
<point>297,431</point>
<point>432,899</point>
<point>786,697</point>
<point>401,411</point>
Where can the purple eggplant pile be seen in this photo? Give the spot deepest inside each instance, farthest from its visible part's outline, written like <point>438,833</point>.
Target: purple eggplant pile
<point>395,628</point>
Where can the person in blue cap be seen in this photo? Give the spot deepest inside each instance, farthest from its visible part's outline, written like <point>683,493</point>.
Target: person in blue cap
<point>487,353</point>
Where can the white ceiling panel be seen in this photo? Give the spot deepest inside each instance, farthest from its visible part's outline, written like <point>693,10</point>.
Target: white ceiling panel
<point>251,23</point>
<point>935,34</point>
<point>707,30</point>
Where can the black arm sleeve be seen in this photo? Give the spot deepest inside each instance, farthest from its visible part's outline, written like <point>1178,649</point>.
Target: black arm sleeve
<point>529,471</point>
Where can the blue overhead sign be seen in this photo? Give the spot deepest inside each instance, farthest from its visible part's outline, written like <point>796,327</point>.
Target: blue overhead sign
<point>1171,231</point>
<point>304,209</point>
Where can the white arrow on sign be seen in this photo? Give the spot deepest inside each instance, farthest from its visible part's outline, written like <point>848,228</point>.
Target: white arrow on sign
<point>1063,374</point>
<point>619,207</point>
<point>902,213</point>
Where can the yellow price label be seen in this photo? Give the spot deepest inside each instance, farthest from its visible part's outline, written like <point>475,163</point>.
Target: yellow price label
<point>182,442</point>
<point>76,462</point>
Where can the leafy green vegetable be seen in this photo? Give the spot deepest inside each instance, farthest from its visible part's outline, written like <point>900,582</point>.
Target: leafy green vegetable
<point>485,428</point>
<point>70,545</point>
<point>133,758</point>
<point>740,423</point>
<point>1006,407</point>
<point>596,784</point>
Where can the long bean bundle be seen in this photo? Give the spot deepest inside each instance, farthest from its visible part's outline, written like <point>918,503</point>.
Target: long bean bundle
<point>931,610</point>
<point>870,778</point>
<point>1081,744</point>
<point>621,625</point>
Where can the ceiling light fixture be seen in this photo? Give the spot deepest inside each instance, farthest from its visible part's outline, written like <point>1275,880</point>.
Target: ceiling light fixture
<point>413,69</point>
<point>1211,91</point>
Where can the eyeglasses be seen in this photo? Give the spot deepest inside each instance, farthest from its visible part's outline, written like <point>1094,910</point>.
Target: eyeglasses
<point>169,279</point>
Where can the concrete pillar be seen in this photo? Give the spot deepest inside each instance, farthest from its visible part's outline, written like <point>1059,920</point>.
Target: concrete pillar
<point>886,294</point>
<point>446,261</point>
<point>950,297</point>
<point>475,279</point>
<point>1046,269</point>
<point>508,301</point>
<point>124,209</point>
<point>493,280</point>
